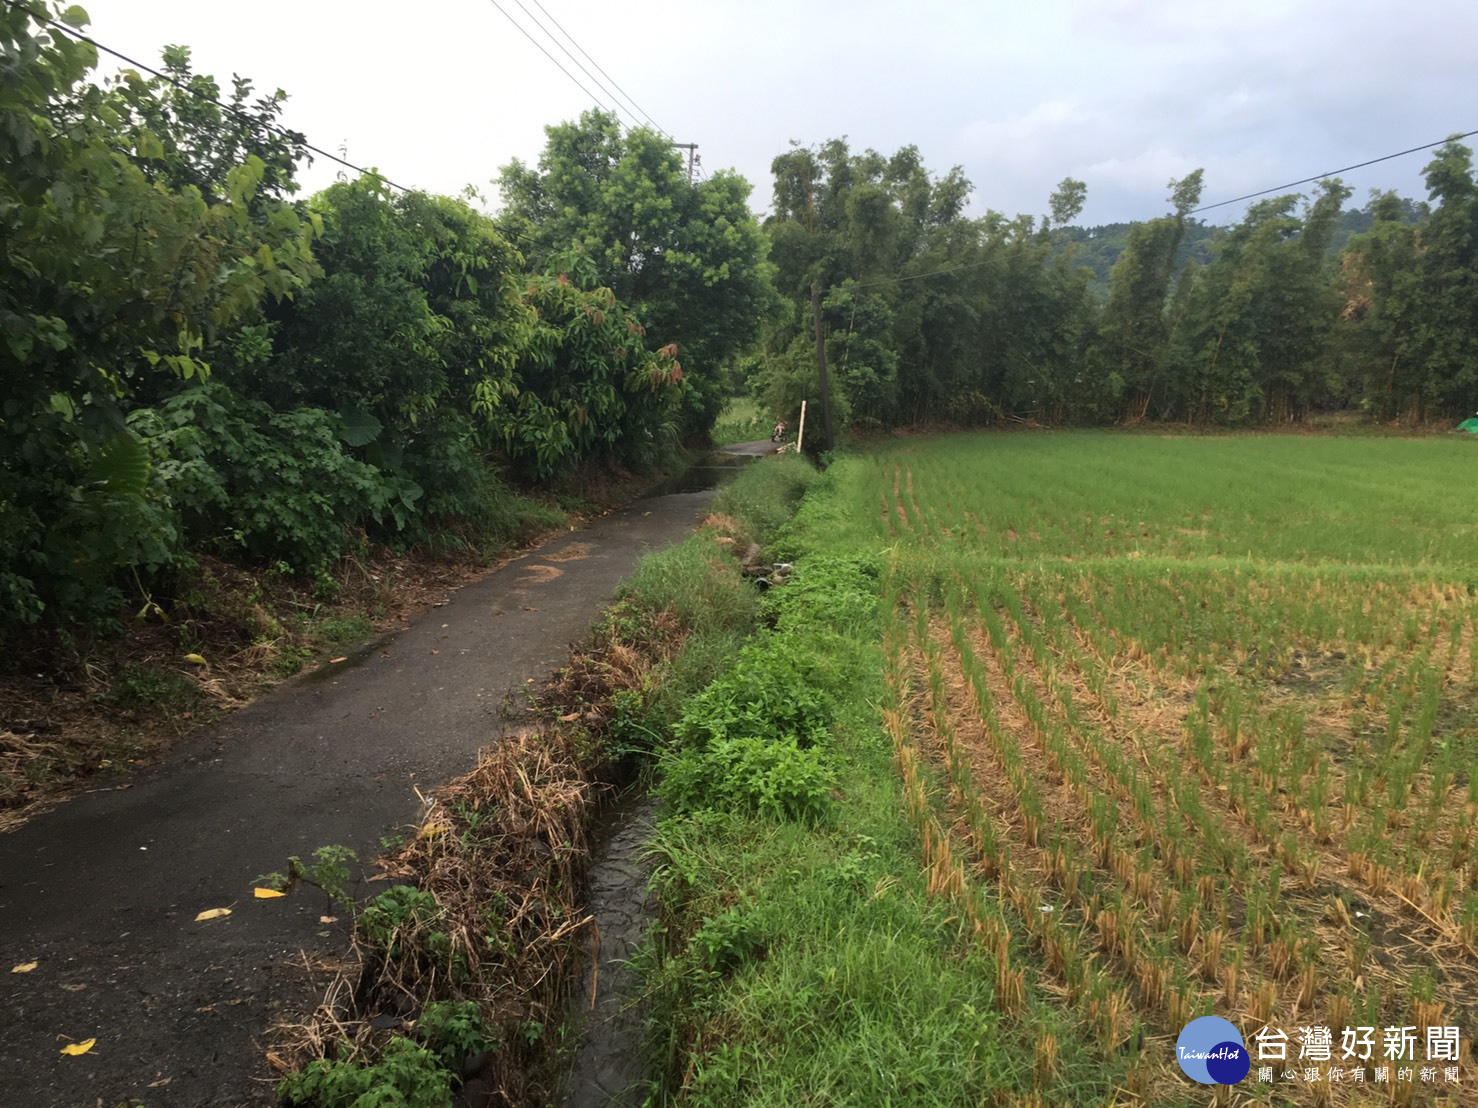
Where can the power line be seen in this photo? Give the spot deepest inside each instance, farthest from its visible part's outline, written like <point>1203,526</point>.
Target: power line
<point>295,137</point>
<point>615,99</point>
<point>921,276</point>
<point>1331,173</point>
<point>629,98</point>
<point>523,31</point>
<point>1204,207</point>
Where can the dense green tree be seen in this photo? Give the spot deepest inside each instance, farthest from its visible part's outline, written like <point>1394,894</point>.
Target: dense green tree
<point>687,257</point>
<point>1447,337</point>
<point>1381,289</point>
<point>1136,330</point>
<point>1254,342</point>
<point>109,281</point>
<point>203,137</point>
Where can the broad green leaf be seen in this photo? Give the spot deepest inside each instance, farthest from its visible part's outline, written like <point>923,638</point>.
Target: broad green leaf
<point>122,465</point>
<point>360,428</point>
<point>76,17</point>
<point>148,145</point>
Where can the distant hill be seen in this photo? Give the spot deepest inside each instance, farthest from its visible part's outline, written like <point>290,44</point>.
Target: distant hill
<point>1099,247</point>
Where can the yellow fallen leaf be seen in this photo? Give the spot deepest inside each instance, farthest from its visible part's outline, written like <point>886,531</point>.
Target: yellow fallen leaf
<point>431,830</point>
<point>198,659</point>
<point>79,1048</point>
<point>213,913</point>
<point>24,967</point>
<point>268,894</point>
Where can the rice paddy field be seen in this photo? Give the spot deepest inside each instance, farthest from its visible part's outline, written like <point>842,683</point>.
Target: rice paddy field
<point>1189,726</point>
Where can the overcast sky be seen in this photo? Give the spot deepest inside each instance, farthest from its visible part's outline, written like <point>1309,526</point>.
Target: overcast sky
<point>1122,94</point>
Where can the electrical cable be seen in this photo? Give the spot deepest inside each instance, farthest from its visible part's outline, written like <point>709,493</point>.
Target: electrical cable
<point>598,84</point>
<point>1205,207</point>
<point>523,31</point>
<point>629,98</point>
<point>1331,173</point>
<point>294,137</point>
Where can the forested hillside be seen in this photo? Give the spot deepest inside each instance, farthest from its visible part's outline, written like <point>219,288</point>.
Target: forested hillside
<point>200,360</point>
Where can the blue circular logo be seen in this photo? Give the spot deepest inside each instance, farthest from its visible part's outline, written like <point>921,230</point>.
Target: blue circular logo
<point>1210,1050</point>
<point>1228,1063</point>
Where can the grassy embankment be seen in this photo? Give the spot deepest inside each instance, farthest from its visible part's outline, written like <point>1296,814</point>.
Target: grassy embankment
<point>1055,742</point>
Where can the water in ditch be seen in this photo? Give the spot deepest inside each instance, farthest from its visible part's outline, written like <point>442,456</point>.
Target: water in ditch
<point>609,1064</point>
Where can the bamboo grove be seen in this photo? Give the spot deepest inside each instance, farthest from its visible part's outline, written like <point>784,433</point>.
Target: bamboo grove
<point>936,317</point>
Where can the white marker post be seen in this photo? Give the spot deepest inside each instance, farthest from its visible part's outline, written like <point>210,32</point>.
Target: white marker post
<point>800,432</point>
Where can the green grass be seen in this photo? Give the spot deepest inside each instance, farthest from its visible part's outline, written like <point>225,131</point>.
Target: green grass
<point>741,421</point>
<point>1386,503</point>
<point>802,960</point>
<point>1137,605</point>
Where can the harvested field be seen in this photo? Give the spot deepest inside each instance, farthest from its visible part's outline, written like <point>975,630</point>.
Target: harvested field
<point>1190,727</point>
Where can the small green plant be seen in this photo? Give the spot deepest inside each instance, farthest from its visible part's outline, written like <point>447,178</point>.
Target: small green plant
<point>729,939</point>
<point>138,687</point>
<point>453,1030</point>
<point>404,922</point>
<point>402,906</point>
<point>778,779</point>
<point>407,1075</point>
<point>329,871</point>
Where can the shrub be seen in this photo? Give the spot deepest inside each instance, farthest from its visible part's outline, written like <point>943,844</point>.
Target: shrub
<point>406,1076</point>
<point>774,778</point>
<point>769,693</point>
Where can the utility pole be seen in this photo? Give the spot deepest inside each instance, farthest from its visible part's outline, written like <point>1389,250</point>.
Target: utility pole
<point>692,149</point>
<point>821,366</point>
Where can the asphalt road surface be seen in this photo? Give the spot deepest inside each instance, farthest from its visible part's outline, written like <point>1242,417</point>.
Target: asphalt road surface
<point>103,893</point>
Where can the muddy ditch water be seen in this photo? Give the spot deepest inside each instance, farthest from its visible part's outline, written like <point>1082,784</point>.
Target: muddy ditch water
<point>609,1063</point>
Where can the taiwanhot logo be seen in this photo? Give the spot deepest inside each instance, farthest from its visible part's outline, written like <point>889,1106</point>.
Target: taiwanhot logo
<point>1210,1050</point>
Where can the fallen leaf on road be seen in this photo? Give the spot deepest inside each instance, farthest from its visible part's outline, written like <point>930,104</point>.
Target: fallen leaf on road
<point>528,609</point>
<point>163,1081</point>
<point>79,1048</point>
<point>336,661</point>
<point>24,967</point>
<point>328,919</point>
<point>268,894</point>
<point>213,913</point>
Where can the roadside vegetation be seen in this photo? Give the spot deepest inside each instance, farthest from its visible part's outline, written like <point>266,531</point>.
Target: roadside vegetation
<point>483,931</point>
<point>1108,743</point>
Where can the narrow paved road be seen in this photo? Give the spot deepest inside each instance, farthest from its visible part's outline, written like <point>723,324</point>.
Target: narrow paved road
<point>103,892</point>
